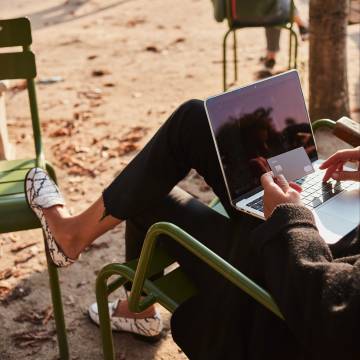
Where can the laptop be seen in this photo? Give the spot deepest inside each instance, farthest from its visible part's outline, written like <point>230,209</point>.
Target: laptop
<point>264,127</point>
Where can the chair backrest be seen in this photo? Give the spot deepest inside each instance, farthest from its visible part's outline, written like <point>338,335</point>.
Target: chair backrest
<point>258,13</point>
<point>21,65</point>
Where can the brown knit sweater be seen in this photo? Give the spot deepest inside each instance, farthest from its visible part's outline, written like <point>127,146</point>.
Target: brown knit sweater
<point>316,287</point>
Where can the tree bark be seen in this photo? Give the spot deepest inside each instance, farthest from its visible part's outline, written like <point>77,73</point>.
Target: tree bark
<point>329,96</point>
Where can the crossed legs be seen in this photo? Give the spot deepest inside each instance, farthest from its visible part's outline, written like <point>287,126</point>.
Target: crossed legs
<point>182,143</point>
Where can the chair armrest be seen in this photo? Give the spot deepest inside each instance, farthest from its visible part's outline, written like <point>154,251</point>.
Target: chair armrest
<point>348,130</point>
<point>345,129</point>
<point>203,253</point>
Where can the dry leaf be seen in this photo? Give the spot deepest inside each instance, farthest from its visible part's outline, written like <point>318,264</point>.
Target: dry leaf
<point>32,337</point>
<point>4,291</point>
<point>136,21</point>
<point>36,317</point>
<point>17,248</point>
<point>152,48</point>
<point>178,40</point>
<point>23,258</point>
<point>6,273</point>
<point>100,72</point>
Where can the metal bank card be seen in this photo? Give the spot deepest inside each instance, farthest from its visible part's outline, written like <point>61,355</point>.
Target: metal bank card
<point>293,164</point>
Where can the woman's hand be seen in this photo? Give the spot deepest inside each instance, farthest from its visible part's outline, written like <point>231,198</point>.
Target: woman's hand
<point>278,191</point>
<point>334,165</point>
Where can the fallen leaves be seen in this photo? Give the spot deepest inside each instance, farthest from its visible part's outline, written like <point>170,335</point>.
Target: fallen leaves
<point>32,337</point>
<point>36,317</point>
<point>4,291</point>
<point>94,94</point>
<point>100,72</point>
<point>178,41</point>
<point>6,274</point>
<point>152,48</point>
<point>24,258</point>
<point>88,159</point>
<point>19,247</point>
<point>136,21</point>
<point>155,49</point>
<point>130,142</point>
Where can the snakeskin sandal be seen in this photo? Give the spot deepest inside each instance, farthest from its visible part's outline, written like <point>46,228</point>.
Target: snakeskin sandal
<point>147,329</point>
<point>41,193</point>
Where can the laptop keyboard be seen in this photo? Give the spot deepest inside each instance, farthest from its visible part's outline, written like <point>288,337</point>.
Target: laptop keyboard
<point>314,193</point>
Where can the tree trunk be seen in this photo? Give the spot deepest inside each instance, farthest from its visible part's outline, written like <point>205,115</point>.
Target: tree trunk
<point>329,96</point>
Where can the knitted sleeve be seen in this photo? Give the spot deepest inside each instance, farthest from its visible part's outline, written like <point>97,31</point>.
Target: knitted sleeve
<point>319,298</point>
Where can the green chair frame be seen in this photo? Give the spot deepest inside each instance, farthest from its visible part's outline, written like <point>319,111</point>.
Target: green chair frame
<point>234,26</point>
<point>15,215</point>
<point>173,288</point>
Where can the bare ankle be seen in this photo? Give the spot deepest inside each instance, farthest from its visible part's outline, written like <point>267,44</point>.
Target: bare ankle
<point>122,310</point>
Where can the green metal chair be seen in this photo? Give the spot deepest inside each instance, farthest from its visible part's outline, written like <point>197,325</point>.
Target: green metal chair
<point>169,290</point>
<point>15,215</point>
<point>248,9</point>
<point>173,288</point>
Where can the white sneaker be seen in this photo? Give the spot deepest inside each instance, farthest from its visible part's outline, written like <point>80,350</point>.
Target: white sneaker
<point>149,327</point>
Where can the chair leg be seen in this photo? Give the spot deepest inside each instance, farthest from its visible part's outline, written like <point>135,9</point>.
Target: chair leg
<point>293,48</point>
<point>235,57</point>
<point>58,310</point>
<point>296,47</point>
<point>290,49</point>
<point>103,290</point>
<point>104,317</point>
<point>224,59</point>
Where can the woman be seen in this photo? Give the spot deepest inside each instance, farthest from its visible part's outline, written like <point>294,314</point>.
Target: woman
<point>142,194</point>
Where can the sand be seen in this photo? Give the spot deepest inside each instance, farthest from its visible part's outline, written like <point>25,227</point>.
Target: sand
<point>124,67</point>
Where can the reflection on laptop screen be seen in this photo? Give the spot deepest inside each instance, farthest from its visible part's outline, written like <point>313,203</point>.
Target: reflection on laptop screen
<point>255,123</point>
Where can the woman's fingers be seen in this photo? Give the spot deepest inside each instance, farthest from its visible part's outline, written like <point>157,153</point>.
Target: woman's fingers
<point>346,175</point>
<point>295,186</point>
<point>329,171</point>
<point>342,156</point>
<point>267,180</point>
<point>282,183</point>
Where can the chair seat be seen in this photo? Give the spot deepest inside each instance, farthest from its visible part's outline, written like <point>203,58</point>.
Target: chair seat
<point>239,24</point>
<point>15,214</point>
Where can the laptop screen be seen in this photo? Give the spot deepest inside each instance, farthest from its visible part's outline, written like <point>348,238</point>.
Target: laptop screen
<point>256,122</point>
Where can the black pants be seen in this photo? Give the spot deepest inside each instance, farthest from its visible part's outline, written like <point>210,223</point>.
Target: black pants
<point>144,192</point>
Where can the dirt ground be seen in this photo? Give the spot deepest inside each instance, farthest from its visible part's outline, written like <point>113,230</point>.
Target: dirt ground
<point>124,67</point>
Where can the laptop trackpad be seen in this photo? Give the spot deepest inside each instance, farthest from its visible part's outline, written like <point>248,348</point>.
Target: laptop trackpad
<point>339,216</point>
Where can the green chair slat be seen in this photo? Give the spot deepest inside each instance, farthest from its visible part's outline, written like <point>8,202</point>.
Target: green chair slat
<point>160,261</point>
<point>20,65</point>
<point>15,32</point>
<point>15,214</point>
<point>12,165</point>
<point>12,176</point>
<point>11,188</point>
<point>176,285</point>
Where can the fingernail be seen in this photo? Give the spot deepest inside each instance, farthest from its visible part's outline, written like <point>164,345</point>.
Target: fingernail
<point>335,175</point>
